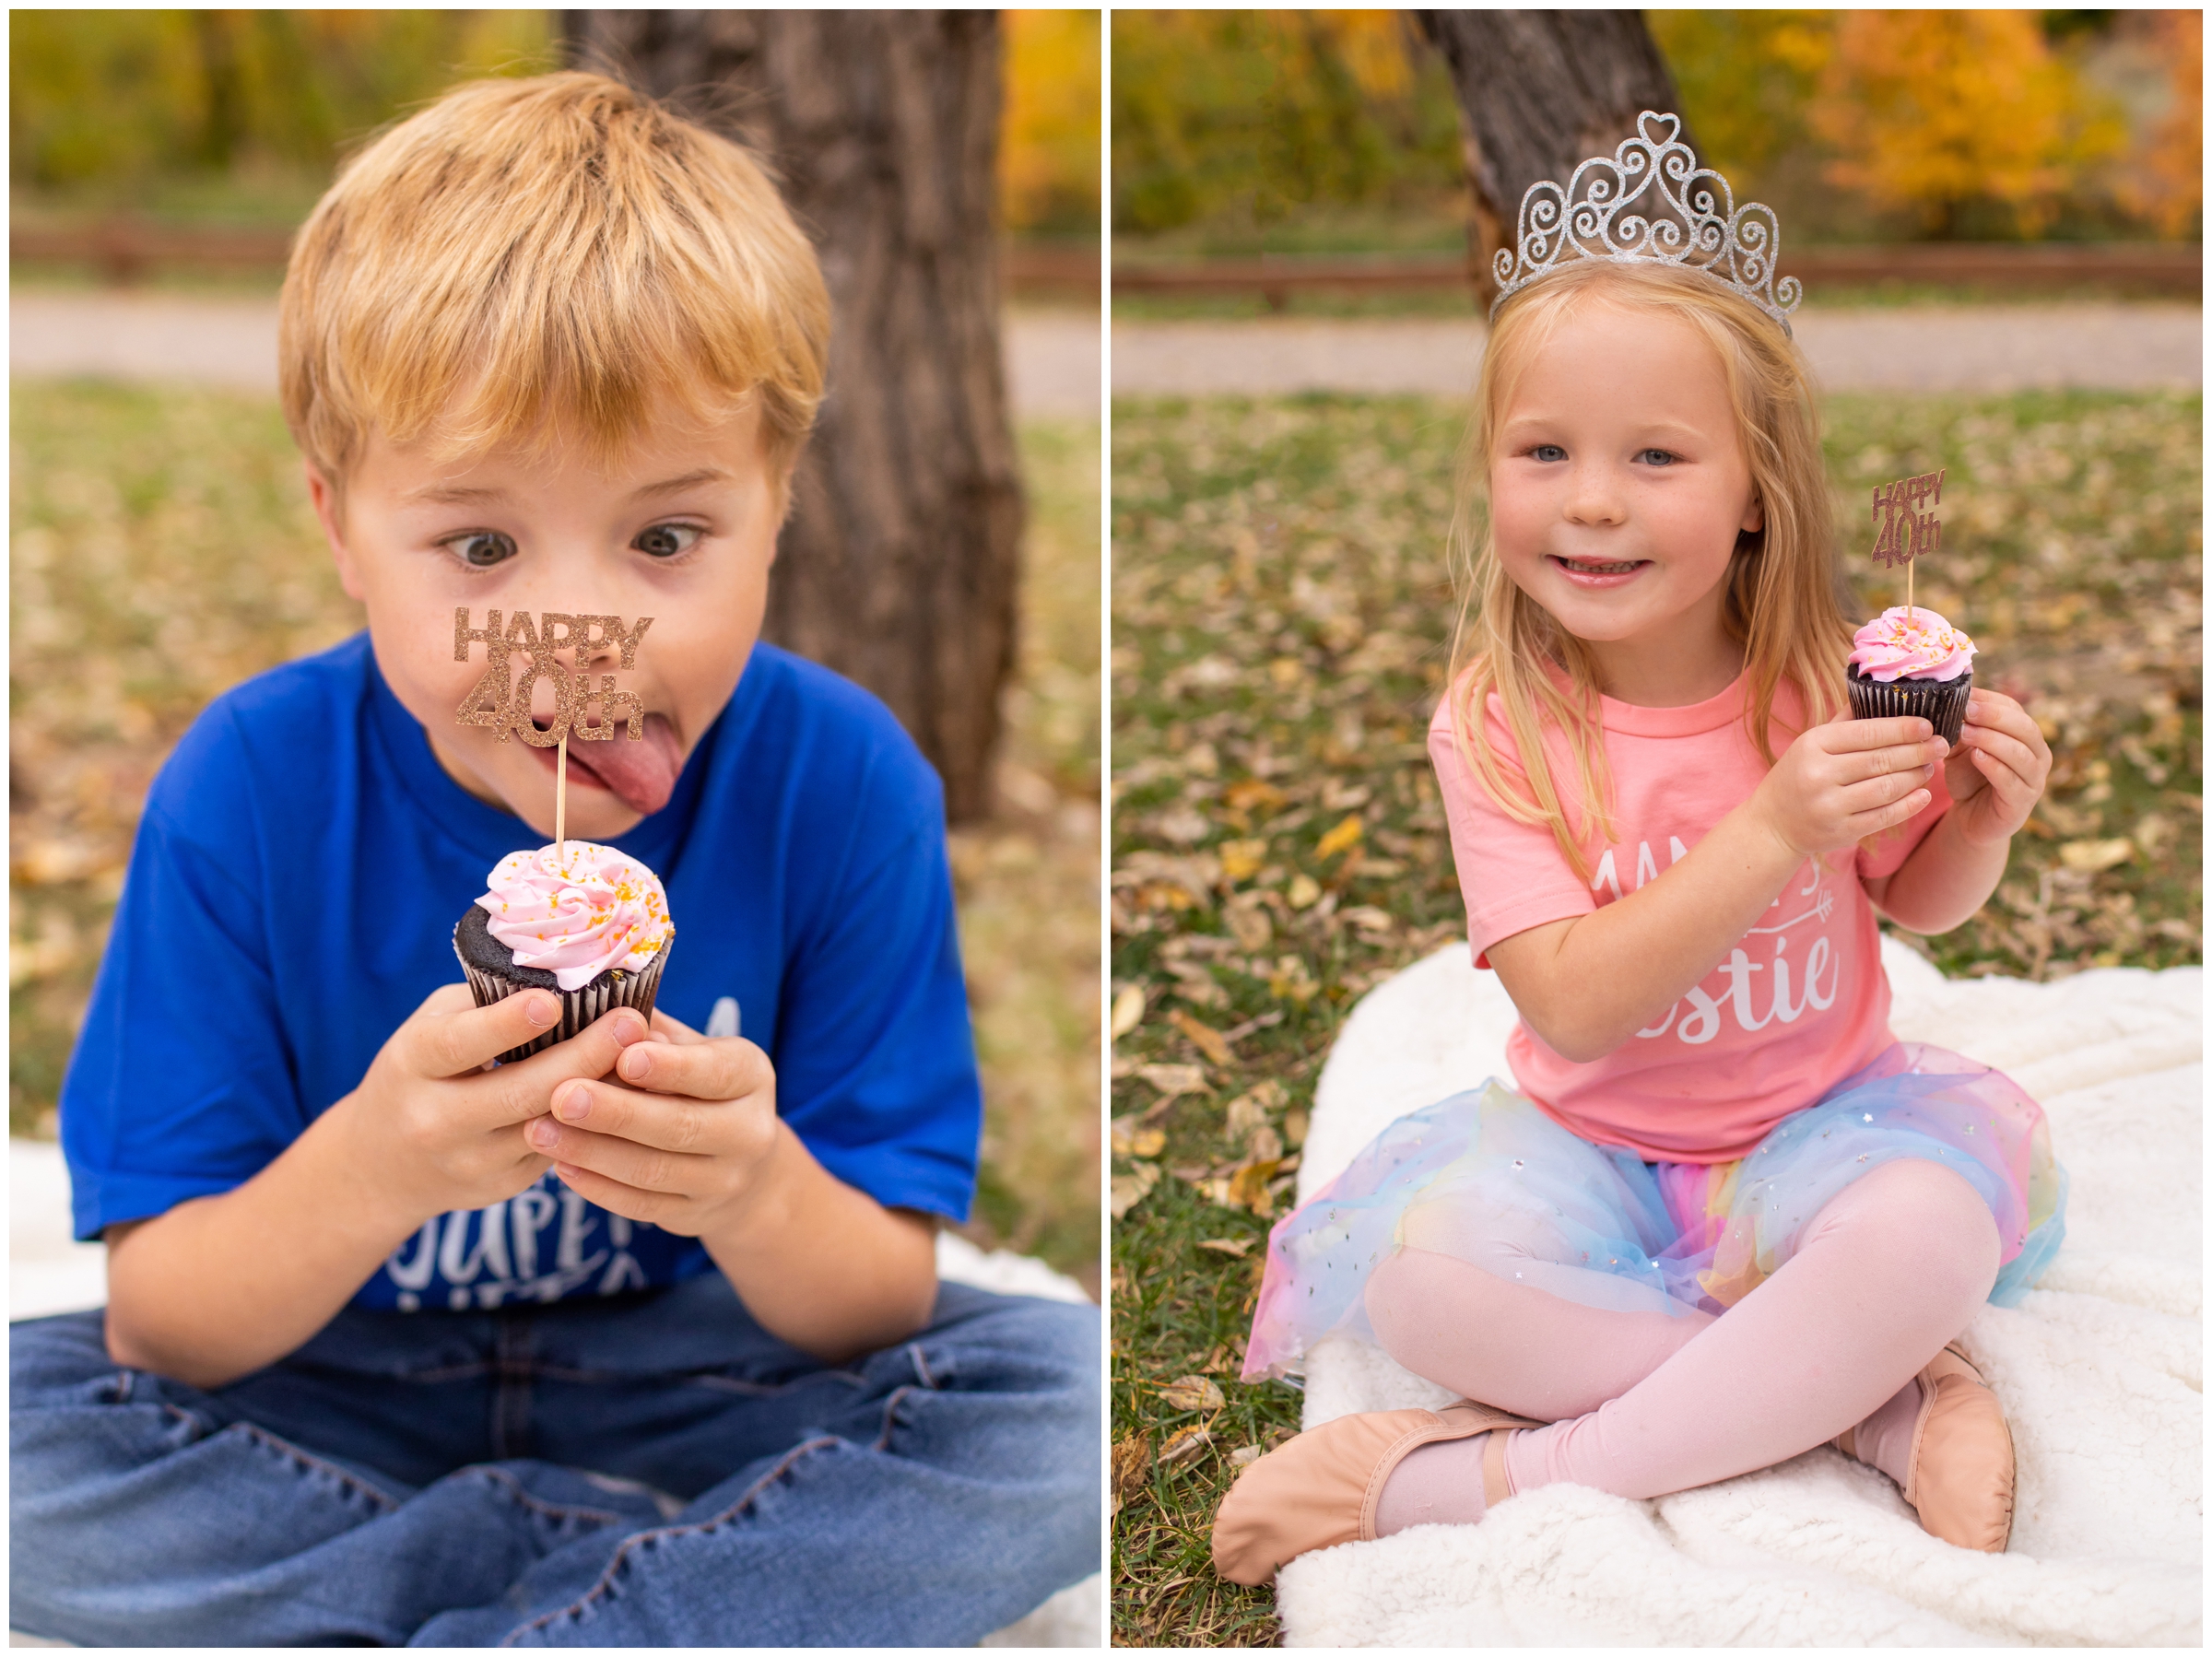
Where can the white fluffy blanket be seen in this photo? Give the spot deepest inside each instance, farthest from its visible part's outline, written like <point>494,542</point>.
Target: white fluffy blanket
<point>2101,1370</point>
<point>49,1273</point>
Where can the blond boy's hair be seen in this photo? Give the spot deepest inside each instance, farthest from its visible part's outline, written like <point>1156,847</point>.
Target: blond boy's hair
<point>1785,600</point>
<point>551,262</point>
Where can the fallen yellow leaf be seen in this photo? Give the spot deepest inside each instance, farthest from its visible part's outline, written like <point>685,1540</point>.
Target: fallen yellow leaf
<point>1250,794</point>
<point>1342,838</point>
<point>1128,1010</point>
<point>1132,1459</point>
<point>1131,1138</point>
<point>1132,1188</point>
<point>1246,1112</point>
<point>1241,859</point>
<point>1304,892</point>
<point>2093,856</point>
<point>1236,1246</point>
<point>1192,1392</point>
<point>1173,1079</point>
<point>1187,1445</point>
<point>1248,1186</point>
<point>1248,924</point>
<point>1203,1036</point>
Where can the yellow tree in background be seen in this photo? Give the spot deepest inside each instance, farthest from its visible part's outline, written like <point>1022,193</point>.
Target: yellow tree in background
<point>1238,117</point>
<point>1745,78</point>
<point>1930,110</point>
<point>110,103</point>
<point>2166,183</point>
<point>1373,45</point>
<point>111,109</point>
<point>1048,153</point>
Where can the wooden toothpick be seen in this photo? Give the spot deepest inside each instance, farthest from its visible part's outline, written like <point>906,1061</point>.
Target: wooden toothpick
<point>560,805</point>
<point>504,704</point>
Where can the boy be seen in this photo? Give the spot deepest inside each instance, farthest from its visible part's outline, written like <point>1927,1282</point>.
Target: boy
<point>637,1341</point>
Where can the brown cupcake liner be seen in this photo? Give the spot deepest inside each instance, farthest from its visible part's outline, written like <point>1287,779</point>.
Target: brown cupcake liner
<point>1942,703</point>
<point>578,1007</point>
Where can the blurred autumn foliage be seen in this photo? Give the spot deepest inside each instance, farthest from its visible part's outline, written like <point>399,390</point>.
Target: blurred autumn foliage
<point>1982,125</point>
<point>163,109</point>
<point>2164,181</point>
<point>242,115</point>
<point>1252,115</point>
<point>1930,110</point>
<point>1855,125</point>
<point>1048,157</point>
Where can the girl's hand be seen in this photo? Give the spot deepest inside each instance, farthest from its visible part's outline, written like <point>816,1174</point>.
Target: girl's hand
<point>1998,771</point>
<point>1843,781</point>
<point>686,1145</point>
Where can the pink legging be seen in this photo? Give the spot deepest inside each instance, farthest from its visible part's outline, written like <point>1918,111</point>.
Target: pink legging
<point>1642,1404</point>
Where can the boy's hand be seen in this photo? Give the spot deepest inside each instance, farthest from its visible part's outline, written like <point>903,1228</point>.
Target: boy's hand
<point>680,1136</point>
<point>1999,769</point>
<point>1841,781</point>
<point>436,1131</point>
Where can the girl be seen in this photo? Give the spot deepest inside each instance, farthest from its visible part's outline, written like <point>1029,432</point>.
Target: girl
<point>1727,1217</point>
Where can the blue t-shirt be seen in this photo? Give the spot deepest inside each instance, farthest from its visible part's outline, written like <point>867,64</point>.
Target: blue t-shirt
<point>291,899</point>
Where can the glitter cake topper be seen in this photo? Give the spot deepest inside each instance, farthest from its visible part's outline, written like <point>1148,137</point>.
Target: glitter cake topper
<point>1902,532</point>
<point>503,703</point>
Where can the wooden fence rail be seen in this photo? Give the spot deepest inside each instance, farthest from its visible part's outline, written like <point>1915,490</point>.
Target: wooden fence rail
<point>2163,269</point>
<point>125,250</point>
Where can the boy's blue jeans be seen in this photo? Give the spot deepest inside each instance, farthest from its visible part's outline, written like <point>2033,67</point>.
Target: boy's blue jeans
<point>490,1479</point>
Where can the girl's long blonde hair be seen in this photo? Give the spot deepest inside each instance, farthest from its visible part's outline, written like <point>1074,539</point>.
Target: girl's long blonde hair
<point>1785,602</point>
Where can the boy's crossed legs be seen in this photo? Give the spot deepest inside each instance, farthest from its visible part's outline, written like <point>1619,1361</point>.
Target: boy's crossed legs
<point>1644,1404</point>
<point>418,1480</point>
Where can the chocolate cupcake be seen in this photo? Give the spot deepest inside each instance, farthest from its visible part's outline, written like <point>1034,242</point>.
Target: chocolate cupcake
<point>591,927</point>
<point>1912,661</point>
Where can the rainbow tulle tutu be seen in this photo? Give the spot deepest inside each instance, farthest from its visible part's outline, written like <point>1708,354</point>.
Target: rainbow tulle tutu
<point>1485,1177</point>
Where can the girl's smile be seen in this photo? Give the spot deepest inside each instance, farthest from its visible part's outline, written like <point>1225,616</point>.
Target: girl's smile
<point>1619,487</point>
<point>1597,573</point>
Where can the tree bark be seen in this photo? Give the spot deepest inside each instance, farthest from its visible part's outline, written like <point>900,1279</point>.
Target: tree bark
<point>899,564</point>
<point>1538,92</point>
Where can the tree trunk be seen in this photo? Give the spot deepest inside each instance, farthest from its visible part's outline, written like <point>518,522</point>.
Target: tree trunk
<point>1538,92</point>
<point>899,566</point>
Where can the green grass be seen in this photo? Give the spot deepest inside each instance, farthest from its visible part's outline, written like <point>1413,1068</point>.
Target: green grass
<point>1280,610</point>
<point>1029,885</point>
<point>163,550</point>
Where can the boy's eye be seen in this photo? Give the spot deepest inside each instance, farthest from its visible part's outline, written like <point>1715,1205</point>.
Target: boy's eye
<point>666,540</point>
<point>482,548</point>
<point>1547,452</point>
<point>1657,457</point>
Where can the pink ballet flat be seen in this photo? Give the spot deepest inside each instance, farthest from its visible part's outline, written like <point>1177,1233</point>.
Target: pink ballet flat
<point>1961,1477</point>
<point>1321,1488</point>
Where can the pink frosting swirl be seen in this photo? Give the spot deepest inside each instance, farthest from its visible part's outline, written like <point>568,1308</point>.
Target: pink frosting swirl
<point>1911,644</point>
<point>578,917</point>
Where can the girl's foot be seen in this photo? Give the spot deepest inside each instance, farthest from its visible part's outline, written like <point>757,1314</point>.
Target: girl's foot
<point>1955,1463</point>
<point>1324,1486</point>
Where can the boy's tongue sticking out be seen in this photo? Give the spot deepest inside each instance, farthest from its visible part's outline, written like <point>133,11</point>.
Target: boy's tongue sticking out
<point>641,774</point>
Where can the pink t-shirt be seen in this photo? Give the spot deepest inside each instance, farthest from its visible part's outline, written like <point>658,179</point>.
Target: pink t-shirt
<point>1798,1005</point>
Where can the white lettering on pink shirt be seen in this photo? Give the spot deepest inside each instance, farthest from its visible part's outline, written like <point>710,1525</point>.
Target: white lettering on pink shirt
<point>1813,903</point>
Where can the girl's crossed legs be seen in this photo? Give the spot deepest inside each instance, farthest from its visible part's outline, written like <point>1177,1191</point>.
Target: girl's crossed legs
<point>1643,1402</point>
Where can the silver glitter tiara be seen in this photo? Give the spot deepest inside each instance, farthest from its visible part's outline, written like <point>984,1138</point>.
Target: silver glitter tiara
<point>1650,203</point>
